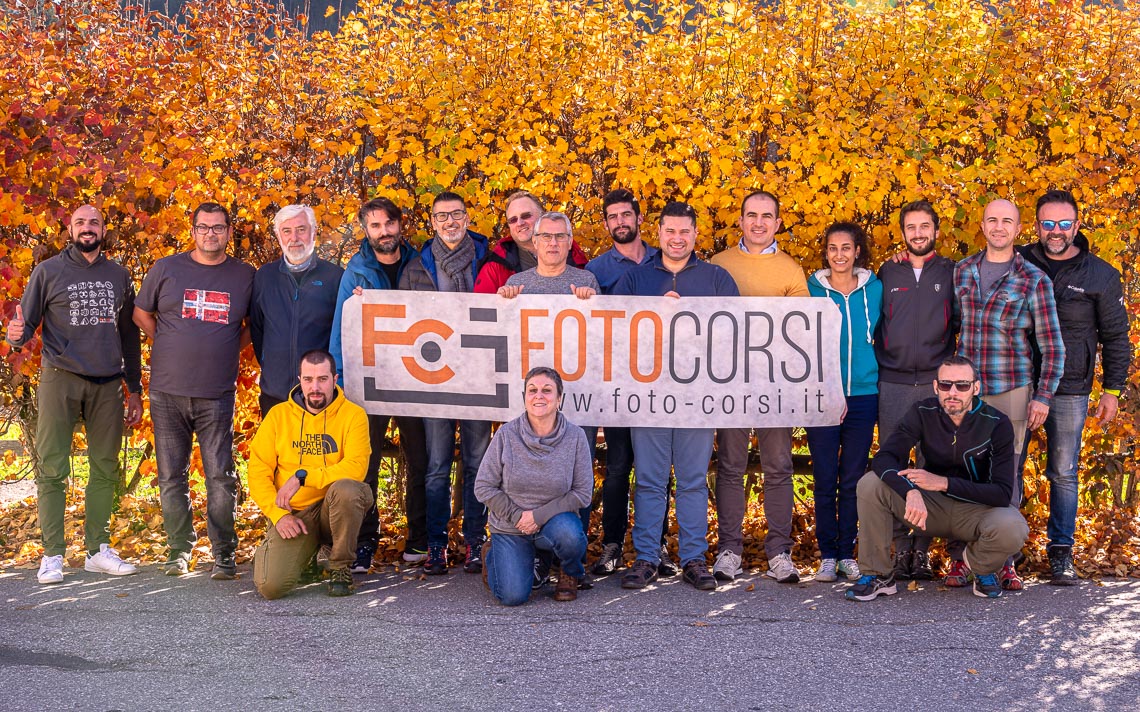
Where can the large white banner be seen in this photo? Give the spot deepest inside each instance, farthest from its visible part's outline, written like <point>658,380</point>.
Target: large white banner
<point>695,362</point>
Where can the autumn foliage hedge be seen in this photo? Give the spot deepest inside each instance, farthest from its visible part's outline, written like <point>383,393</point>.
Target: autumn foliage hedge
<point>845,110</point>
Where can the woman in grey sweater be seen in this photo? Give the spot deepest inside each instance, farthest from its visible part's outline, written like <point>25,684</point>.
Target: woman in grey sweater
<point>536,475</point>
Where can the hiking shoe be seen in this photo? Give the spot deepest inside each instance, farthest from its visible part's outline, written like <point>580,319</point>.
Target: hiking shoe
<point>869,587</point>
<point>225,568</point>
<point>436,564</point>
<point>827,572</point>
<point>987,585</point>
<point>340,582</point>
<point>640,575</point>
<point>727,566</point>
<point>781,568</point>
<point>900,570</point>
<point>107,561</point>
<point>665,566</point>
<point>567,587</point>
<point>473,564</point>
<point>696,574</point>
<point>609,561</point>
<point>414,555</point>
<point>959,574</point>
<point>1010,581</point>
<point>177,565</point>
<point>1062,571</point>
<point>850,569</point>
<point>920,569</point>
<point>363,563</point>
<point>51,570</point>
<point>543,562</point>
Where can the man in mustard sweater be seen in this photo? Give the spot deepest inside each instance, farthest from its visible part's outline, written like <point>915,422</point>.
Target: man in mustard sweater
<point>306,473</point>
<point>760,270</point>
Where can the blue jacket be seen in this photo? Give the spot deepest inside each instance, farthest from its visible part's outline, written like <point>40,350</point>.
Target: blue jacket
<point>861,311</point>
<point>289,315</point>
<point>363,271</point>
<point>421,273</point>
<point>696,279</point>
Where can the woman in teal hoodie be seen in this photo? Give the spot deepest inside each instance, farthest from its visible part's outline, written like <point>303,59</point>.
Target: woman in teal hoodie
<point>839,452</point>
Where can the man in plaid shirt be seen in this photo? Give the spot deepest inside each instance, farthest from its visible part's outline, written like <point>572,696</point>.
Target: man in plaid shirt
<point>1008,310</point>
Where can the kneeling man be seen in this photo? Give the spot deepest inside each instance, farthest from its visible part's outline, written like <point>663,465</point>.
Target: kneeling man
<point>306,473</point>
<point>963,494</point>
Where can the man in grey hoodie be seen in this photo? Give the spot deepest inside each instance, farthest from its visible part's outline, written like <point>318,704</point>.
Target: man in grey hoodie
<point>84,303</point>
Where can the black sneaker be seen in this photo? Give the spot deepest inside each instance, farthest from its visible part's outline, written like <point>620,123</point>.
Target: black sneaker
<point>225,569</point>
<point>543,562</point>
<point>666,567</point>
<point>473,564</point>
<point>697,575</point>
<point>1062,571</point>
<point>900,571</point>
<point>340,582</point>
<point>869,587</point>
<point>436,564</point>
<point>363,563</point>
<point>920,568</point>
<point>609,561</point>
<point>640,575</point>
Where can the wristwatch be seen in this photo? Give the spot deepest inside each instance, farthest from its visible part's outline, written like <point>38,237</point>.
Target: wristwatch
<point>301,475</point>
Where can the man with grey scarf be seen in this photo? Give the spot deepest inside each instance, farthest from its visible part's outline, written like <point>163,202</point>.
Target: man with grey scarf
<point>449,262</point>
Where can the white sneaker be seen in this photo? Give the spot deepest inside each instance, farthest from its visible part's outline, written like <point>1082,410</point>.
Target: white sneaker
<point>850,569</point>
<point>51,570</point>
<point>107,561</point>
<point>727,566</point>
<point>781,568</point>
<point>826,573</point>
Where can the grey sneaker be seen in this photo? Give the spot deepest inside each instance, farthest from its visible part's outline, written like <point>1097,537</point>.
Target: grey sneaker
<point>609,561</point>
<point>177,565</point>
<point>827,571</point>
<point>850,569</point>
<point>225,569</point>
<point>727,566</point>
<point>781,568</point>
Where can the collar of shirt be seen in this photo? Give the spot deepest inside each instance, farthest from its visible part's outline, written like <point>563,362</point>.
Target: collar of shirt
<point>769,250</point>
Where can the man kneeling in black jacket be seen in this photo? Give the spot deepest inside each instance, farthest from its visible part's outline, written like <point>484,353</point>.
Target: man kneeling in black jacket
<point>964,493</point>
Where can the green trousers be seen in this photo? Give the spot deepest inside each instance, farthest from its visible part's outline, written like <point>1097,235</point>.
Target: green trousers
<point>64,400</point>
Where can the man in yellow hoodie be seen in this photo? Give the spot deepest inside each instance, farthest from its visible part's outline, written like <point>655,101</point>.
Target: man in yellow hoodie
<point>306,473</point>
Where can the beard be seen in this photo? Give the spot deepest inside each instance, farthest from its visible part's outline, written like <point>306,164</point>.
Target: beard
<point>86,247</point>
<point>1065,245</point>
<point>385,245</point>
<point>625,235</point>
<point>922,251</point>
<point>316,400</point>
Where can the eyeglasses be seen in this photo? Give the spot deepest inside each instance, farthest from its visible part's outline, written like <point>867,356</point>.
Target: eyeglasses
<point>453,215</point>
<point>960,386</point>
<point>1053,224</point>
<point>207,229</point>
<point>552,237</point>
<point>513,220</point>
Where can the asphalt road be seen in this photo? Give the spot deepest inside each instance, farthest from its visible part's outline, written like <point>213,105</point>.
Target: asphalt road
<point>149,642</point>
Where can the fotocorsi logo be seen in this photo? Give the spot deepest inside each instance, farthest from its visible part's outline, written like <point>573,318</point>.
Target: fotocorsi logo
<point>435,339</point>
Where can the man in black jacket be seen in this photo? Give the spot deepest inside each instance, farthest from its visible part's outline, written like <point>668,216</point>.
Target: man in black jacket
<point>963,492</point>
<point>1090,309</point>
<point>916,332</point>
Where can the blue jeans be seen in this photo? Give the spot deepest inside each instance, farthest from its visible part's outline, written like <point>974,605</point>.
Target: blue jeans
<point>474,437</point>
<point>1063,430</point>
<point>687,451</point>
<point>510,562</point>
<point>839,460</point>
<point>177,419</point>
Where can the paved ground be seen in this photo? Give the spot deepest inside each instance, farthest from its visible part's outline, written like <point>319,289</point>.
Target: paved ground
<point>152,642</point>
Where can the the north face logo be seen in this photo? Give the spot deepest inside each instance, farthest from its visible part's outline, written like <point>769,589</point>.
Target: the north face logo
<point>316,444</point>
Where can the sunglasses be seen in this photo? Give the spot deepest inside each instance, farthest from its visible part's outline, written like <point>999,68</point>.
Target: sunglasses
<point>522,216</point>
<point>961,386</point>
<point>1054,224</point>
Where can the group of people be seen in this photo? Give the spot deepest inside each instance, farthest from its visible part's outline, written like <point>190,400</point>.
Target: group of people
<point>955,362</point>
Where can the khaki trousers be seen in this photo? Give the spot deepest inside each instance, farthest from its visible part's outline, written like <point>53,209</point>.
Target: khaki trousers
<point>278,563</point>
<point>991,534</point>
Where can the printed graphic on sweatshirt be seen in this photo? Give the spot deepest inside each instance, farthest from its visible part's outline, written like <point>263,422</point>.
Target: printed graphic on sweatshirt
<point>91,303</point>
<point>206,305</point>
<point>315,444</point>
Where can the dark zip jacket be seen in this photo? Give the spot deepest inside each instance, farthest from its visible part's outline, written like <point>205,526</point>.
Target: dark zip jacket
<point>363,271</point>
<point>919,324</point>
<point>1090,309</point>
<point>696,279</point>
<point>290,313</point>
<point>86,309</point>
<point>976,456</point>
<point>420,274</point>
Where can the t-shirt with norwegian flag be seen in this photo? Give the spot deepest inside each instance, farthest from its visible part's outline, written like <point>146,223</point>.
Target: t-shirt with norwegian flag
<point>200,309</point>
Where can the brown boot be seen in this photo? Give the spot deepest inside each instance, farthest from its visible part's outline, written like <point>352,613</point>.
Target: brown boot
<point>567,588</point>
<point>486,550</point>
